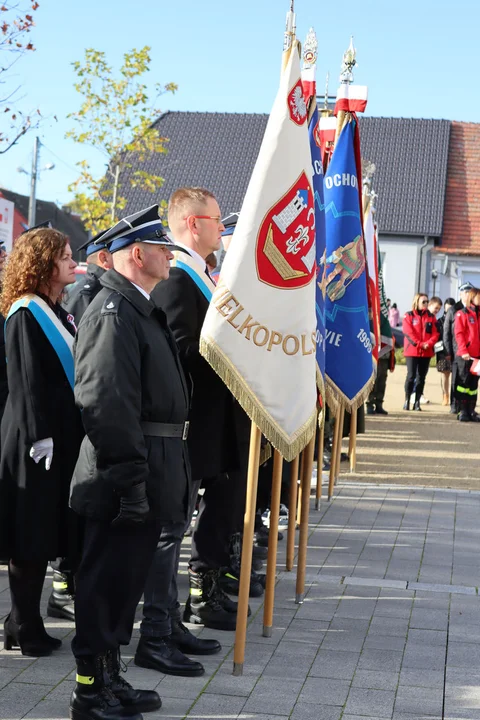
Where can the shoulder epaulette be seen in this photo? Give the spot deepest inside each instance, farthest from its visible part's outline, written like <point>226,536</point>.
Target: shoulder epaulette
<point>111,304</point>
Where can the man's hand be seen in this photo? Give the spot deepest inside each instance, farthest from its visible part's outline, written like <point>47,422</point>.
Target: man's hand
<point>466,357</point>
<point>134,507</point>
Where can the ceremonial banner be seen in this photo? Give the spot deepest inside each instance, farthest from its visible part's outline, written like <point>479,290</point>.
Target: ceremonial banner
<point>259,331</point>
<point>349,365</point>
<point>351,98</point>
<point>372,259</point>
<point>314,133</point>
<point>386,336</point>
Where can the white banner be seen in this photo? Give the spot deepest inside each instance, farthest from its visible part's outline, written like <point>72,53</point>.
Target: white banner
<point>7,209</point>
<point>260,330</point>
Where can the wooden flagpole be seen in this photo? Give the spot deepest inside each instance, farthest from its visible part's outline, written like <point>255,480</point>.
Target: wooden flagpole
<point>272,544</point>
<point>306,482</point>
<point>320,444</point>
<point>341,418</point>
<point>333,456</point>
<point>292,514</point>
<point>352,445</point>
<point>247,549</point>
<point>299,500</point>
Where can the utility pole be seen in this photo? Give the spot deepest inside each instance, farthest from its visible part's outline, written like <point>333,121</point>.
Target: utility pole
<point>33,184</point>
<point>115,192</point>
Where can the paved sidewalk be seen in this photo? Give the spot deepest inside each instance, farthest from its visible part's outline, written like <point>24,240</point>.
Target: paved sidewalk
<point>390,627</point>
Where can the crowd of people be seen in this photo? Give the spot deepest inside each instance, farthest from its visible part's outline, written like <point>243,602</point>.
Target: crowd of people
<point>108,434</point>
<point>454,340</point>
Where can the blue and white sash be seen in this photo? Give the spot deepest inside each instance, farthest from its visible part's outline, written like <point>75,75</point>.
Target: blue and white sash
<point>189,265</point>
<point>58,336</point>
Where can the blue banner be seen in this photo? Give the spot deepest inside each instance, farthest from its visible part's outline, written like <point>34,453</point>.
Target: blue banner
<point>349,364</point>
<point>314,134</point>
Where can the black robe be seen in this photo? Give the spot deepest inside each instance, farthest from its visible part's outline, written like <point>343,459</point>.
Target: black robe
<point>35,521</point>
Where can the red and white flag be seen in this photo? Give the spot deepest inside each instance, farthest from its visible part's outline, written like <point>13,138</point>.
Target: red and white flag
<point>373,290</point>
<point>351,98</point>
<point>259,333</point>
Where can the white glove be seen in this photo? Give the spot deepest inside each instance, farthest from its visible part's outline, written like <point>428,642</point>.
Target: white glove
<point>42,449</point>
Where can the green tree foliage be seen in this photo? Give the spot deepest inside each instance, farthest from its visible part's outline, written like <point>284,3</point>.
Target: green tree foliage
<point>16,22</point>
<point>117,118</point>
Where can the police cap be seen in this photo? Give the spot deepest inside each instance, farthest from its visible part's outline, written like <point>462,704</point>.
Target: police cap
<point>143,226</point>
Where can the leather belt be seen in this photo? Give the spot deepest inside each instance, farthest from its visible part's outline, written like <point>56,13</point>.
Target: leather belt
<point>166,429</point>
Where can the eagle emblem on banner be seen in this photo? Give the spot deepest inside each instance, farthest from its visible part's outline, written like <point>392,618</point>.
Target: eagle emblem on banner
<point>285,251</point>
<point>296,104</point>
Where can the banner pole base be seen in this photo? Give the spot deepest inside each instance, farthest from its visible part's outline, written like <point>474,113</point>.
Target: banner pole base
<point>316,505</point>
<point>237,669</point>
<point>329,498</point>
<point>267,631</point>
<point>299,598</point>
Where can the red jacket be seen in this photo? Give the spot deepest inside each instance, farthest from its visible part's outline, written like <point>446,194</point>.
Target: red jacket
<point>467,332</point>
<point>419,328</point>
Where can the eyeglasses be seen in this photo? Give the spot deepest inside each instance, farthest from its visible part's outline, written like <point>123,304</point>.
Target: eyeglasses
<point>217,218</point>
<point>424,302</point>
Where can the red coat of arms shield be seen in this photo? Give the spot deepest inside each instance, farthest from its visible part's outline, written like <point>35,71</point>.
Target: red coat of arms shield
<point>285,251</point>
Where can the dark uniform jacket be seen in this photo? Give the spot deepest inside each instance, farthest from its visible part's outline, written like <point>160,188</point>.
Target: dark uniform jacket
<point>449,342</point>
<point>127,371</point>
<point>216,427</point>
<point>35,522</point>
<point>3,368</point>
<point>83,292</point>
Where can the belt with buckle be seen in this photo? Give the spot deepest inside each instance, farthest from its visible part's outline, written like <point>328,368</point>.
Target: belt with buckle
<point>166,429</point>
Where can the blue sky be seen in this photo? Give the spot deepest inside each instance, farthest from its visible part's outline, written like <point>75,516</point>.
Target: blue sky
<point>418,57</point>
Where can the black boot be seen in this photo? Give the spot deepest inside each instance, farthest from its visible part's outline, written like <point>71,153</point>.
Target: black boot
<point>229,580</point>
<point>61,600</point>
<point>31,637</point>
<point>133,701</point>
<point>379,409</point>
<point>189,643</point>
<point>92,697</point>
<point>406,404</point>
<point>474,416</point>
<point>370,408</point>
<point>160,653</point>
<point>464,414</point>
<point>203,606</point>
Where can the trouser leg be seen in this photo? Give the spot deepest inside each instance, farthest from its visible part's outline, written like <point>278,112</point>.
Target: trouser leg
<point>412,363</point>
<point>453,392</point>
<point>381,380</point>
<point>213,527</point>
<point>161,594</point>
<point>422,370</point>
<point>26,584</point>
<point>109,584</point>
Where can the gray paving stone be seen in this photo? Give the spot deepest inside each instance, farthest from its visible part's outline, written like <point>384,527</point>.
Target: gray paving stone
<point>381,625</point>
<point>176,687</point>
<point>429,657</point>
<point>368,702</point>
<point>343,640</point>
<point>419,677</point>
<point>375,582</point>
<point>463,655</point>
<point>362,717</point>
<point>334,664</point>
<point>371,659</point>
<point>17,699</point>
<point>425,619</point>
<point>309,711</point>
<point>428,637</point>
<point>432,587</point>
<point>7,674</point>
<point>273,696</point>
<point>376,679</point>
<point>215,706</point>
<point>418,701</point>
<point>324,690</point>
<point>385,642</point>
<point>172,709</point>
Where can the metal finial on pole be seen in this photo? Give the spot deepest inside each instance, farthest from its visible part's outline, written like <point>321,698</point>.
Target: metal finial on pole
<point>325,99</point>
<point>348,63</point>
<point>289,28</point>
<point>310,49</point>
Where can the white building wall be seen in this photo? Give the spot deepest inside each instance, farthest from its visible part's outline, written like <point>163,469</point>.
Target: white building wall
<point>452,271</point>
<point>400,257</point>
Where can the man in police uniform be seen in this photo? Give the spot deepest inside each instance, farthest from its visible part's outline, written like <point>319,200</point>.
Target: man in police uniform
<point>99,259</point>
<point>132,476</point>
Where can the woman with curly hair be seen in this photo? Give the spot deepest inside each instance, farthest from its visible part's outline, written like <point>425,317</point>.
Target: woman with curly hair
<point>41,429</point>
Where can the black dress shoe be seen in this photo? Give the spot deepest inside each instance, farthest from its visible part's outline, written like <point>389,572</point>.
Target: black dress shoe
<point>161,654</point>
<point>190,644</point>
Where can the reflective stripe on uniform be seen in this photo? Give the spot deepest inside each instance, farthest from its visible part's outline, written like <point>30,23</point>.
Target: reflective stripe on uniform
<point>466,391</point>
<point>57,585</point>
<point>195,591</point>
<point>85,679</point>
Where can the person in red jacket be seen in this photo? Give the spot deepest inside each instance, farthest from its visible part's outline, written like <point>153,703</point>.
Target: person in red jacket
<point>421,333</point>
<point>466,329</point>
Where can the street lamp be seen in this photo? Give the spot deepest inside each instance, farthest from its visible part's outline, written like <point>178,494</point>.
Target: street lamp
<point>33,181</point>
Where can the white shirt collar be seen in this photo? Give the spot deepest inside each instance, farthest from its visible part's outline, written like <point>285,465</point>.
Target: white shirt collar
<point>140,289</point>
<point>194,254</point>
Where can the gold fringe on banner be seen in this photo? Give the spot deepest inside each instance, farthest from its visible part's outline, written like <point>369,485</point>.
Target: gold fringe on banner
<point>265,453</point>
<point>288,447</point>
<point>336,398</point>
